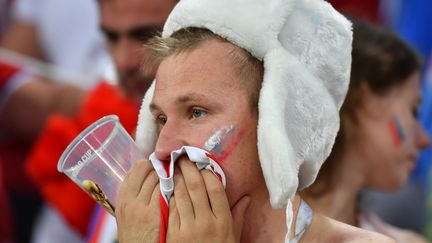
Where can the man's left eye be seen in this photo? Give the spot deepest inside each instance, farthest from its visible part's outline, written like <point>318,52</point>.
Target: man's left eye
<point>196,113</point>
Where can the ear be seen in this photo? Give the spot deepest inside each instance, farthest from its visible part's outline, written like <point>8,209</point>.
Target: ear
<point>372,104</point>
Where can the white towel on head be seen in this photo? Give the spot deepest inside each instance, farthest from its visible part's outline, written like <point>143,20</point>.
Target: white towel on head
<point>306,49</point>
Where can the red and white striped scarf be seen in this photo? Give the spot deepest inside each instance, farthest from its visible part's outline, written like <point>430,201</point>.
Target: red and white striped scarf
<point>165,171</point>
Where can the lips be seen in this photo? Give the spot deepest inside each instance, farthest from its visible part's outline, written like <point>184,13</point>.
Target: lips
<point>413,156</point>
<point>412,160</point>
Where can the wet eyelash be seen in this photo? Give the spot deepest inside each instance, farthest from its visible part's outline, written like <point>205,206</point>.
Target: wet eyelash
<point>161,120</point>
<point>202,112</point>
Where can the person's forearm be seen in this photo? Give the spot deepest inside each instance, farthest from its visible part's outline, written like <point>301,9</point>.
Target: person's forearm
<point>23,38</point>
<point>25,112</point>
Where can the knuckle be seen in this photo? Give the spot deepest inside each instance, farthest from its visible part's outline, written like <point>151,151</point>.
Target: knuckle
<point>178,179</point>
<point>127,177</point>
<point>153,176</point>
<point>121,209</point>
<point>208,228</point>
<point>216,189</point>
<point>139,164</point>
<point>183,160</point>
<point>194,184</point>
<point>142,166</point>
<point>180,192</point>
<point>187,235</point>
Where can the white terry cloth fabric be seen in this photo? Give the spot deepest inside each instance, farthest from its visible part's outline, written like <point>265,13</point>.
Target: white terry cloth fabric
<point>74,45</point>
<point>305,46</point>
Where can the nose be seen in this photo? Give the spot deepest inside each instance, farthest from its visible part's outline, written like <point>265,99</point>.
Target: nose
<point>126,54</point>
<point>423,139</point>
<point>170,138</point>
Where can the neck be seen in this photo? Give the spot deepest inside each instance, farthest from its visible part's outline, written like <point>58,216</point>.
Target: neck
<point>341,203</point>
<point>263,223</point>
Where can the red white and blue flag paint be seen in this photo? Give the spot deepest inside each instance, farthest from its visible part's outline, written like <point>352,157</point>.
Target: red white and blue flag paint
<point>397,131</point>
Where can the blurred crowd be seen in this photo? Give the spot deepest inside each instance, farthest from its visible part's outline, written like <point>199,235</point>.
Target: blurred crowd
<point>66,63</point>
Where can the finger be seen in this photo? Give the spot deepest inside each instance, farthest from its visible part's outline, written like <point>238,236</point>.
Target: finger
<point>174,218</point>
<point>148,187</point>
<point>196,188</point>
<point>238,216</point>
<point>133,181</point>
<point>216,195</point>
<point>155,197</point>
<point>183,202</point>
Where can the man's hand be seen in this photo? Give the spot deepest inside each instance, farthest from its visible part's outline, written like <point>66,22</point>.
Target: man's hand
<point>199,210</point>
<point>137,211</point>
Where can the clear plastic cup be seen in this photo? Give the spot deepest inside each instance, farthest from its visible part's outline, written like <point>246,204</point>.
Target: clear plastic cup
<point>99,158</point>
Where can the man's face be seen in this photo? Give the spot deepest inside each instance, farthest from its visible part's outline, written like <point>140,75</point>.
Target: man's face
<point>197,93</point>
<point>127,24</point>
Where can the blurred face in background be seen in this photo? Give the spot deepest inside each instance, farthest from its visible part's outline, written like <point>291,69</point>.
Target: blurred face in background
<point>390,135</point>
<point>127,25</point>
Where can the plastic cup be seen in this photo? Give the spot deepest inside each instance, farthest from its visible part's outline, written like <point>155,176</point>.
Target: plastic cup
<point>99,158</point>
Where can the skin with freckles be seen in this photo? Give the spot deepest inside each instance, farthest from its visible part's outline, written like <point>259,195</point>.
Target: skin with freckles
<point>197,93</point>
<point>222,142</point>
<point>187,107</point>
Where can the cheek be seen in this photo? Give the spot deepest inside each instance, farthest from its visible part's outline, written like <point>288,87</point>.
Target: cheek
<point>397,131</point>
<point>223,142</point>
<point>243,171</point>
<point>402,130</point>
<point>236,170</point>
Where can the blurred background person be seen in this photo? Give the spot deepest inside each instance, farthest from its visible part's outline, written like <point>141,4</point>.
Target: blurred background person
<point>126,24</point>
<point>4,16</point>
<point>411,206</point>
<point>6,231</point>
<point>64,36</point>
<point>408,207</point>
<point>380,136</point>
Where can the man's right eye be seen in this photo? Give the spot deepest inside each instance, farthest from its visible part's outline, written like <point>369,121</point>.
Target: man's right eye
<point>111,37</point>
<point>161,120</point>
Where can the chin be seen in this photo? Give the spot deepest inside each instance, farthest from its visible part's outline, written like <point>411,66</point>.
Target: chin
<point>391,185</point>
<point>394,188</point>
<point>398,184</point>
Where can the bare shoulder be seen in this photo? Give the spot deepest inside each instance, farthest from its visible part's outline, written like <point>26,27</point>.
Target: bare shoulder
<point>413,237</point>
<point>324,229</point>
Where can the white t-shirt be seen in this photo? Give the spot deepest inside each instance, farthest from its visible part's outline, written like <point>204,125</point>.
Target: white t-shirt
<point>69,35</point>
<point>70,38</point>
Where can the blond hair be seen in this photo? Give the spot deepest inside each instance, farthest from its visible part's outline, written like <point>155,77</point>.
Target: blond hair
<point>247,67</point>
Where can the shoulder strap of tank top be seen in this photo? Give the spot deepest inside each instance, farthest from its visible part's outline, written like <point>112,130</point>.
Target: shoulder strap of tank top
<point>302,222</point>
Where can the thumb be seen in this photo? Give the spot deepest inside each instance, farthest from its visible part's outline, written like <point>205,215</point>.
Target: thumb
<point>238,215</point>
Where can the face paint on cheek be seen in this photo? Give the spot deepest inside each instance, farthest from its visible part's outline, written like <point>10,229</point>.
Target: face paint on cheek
<point>222,142</point>
<point>397,131</point>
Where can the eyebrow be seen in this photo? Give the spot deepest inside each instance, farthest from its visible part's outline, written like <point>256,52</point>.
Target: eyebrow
<point>154,107</point>
<point>144,32</point>
<point>110,34</point>
<point>139,32</point>
<point>190,97</point>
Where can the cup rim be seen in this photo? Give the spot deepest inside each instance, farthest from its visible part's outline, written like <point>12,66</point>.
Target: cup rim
<point>81,136</point>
